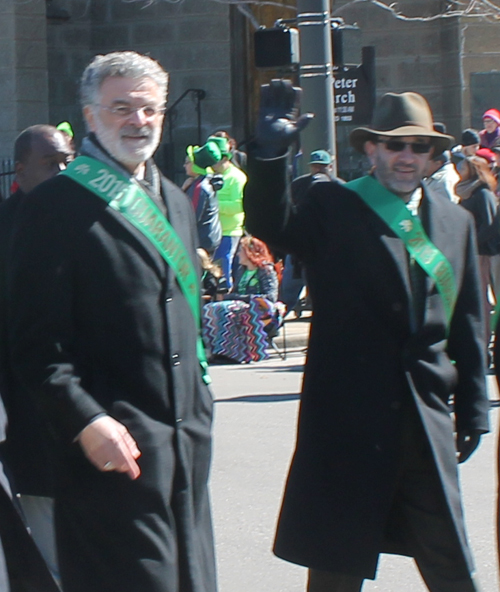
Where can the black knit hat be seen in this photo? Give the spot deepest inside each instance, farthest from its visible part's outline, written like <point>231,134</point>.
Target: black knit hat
<point>470,137</point>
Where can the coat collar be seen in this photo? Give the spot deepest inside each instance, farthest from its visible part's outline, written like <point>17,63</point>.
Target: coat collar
<point>156,183</point>
<point>177,218</point>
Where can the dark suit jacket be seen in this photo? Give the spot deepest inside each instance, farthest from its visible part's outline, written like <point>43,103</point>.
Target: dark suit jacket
<point>98,325</point>
<point>366,365</point>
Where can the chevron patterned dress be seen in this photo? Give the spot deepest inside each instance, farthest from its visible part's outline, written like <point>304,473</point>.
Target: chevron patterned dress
<point>237,330</point>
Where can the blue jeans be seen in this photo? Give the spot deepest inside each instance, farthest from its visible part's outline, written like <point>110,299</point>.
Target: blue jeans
<point>225,255</point>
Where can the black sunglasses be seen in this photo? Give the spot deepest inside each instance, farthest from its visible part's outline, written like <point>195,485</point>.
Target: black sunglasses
<point>399,146</point>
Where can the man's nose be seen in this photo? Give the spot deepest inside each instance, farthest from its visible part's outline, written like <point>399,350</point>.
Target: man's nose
<point>407,154</point>
<point>138,118</point>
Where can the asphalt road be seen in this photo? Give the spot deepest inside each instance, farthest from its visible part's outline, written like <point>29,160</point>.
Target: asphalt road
<point>255,419</point>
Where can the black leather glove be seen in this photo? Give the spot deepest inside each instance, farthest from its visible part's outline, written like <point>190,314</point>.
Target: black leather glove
<point>217,182</point>
<point>278,125</point>
<point>467,442</point>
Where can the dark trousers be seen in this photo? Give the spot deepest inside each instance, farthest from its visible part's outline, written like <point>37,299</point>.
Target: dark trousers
<point>418,520</point>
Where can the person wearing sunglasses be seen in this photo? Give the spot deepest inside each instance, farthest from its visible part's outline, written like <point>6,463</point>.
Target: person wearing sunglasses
<point>392,272</point>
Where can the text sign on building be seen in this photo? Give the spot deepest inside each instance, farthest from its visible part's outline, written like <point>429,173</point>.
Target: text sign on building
<point>354,95</point>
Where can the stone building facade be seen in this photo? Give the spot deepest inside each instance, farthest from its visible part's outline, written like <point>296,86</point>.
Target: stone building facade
<point>207,45</point>
<point>24,94</point>
<point>433,57</point>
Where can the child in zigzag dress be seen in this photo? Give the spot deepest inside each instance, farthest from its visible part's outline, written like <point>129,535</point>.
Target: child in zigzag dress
<point>238,324</point>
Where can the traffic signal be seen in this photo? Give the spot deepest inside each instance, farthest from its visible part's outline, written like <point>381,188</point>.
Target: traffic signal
<point>276,48</point>
<point>346,45</point>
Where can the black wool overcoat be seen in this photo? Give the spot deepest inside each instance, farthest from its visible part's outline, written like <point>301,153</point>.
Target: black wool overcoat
<point>22,568</point>
<point>365,365</point>
<point>97,324</point>
<point>28,458</point>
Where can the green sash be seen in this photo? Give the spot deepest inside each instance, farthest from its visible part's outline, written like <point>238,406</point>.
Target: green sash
<point>133,203</point>
<point>409,229</point>
<point>494,317</point>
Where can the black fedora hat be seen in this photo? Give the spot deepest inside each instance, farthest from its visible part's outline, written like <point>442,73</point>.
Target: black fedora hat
<point>405,114</point>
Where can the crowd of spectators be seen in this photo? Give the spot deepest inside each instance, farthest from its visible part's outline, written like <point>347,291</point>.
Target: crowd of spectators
<point>469,176</point>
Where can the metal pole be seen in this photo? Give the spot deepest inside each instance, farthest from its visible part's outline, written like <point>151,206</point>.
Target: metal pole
<point>316,78</point>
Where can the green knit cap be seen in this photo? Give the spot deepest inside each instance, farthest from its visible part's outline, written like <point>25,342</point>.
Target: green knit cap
<point>222,143</point>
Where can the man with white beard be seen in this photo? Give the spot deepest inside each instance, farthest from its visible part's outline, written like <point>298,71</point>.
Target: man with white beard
<point>104,307</point>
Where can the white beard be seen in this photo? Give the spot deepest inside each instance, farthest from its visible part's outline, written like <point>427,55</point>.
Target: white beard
<point>130,153</point>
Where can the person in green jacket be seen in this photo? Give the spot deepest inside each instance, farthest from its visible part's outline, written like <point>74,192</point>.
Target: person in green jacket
<point>231,213</point>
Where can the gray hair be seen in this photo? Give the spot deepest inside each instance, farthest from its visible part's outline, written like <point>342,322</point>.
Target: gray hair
<point>125,64</point>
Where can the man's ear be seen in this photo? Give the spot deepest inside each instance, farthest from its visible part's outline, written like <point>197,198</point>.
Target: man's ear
<point>369,148</point>
<point>89,117</point>
<point>19,169</point>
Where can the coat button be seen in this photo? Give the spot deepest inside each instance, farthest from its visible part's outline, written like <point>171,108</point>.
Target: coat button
<point>395,405</point>
<point>168,299</point>
<point>397,306</point>
<point>175,359</point>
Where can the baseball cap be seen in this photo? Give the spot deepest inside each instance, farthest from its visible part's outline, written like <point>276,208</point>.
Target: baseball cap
<point>320,157</point>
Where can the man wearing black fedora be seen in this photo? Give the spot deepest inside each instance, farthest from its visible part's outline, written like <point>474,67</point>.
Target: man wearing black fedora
<point>396,337</point>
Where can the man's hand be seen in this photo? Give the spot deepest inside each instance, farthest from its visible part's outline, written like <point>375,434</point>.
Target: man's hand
<point>467,442</point>
<point>278,125</point>
<point>109,446</point>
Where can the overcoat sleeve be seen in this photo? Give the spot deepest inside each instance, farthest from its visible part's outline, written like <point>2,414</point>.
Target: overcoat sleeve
<point>41,296</point>
<point>466,346</point>
<point>270,214</point>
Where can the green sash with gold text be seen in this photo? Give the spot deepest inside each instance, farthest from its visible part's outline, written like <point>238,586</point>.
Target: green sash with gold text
<point>132,202</point>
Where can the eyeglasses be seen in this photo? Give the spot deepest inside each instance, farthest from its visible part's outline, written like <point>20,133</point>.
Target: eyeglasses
<point>125,111</point>
<point>399,146</point>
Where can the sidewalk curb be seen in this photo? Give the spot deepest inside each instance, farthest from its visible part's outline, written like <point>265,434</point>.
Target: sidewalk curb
<point>297,333</point>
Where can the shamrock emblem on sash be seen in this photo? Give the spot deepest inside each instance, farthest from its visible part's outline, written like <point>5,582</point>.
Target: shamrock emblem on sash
<point>406,225</point>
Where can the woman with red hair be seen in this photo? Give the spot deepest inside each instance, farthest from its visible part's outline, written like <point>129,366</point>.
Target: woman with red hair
<point>256,273</point>
<point>237,326</point>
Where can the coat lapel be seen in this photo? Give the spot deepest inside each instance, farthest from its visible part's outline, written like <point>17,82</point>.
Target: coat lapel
<point>398,257</point>
<point>176,217</point>
<point>155,256</point>
<point>433,216</point>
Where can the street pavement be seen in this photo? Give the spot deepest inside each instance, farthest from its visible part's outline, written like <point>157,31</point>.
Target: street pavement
<point>254,431</point>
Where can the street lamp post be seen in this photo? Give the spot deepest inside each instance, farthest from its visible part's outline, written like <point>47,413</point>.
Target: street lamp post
<point>316,77</point>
